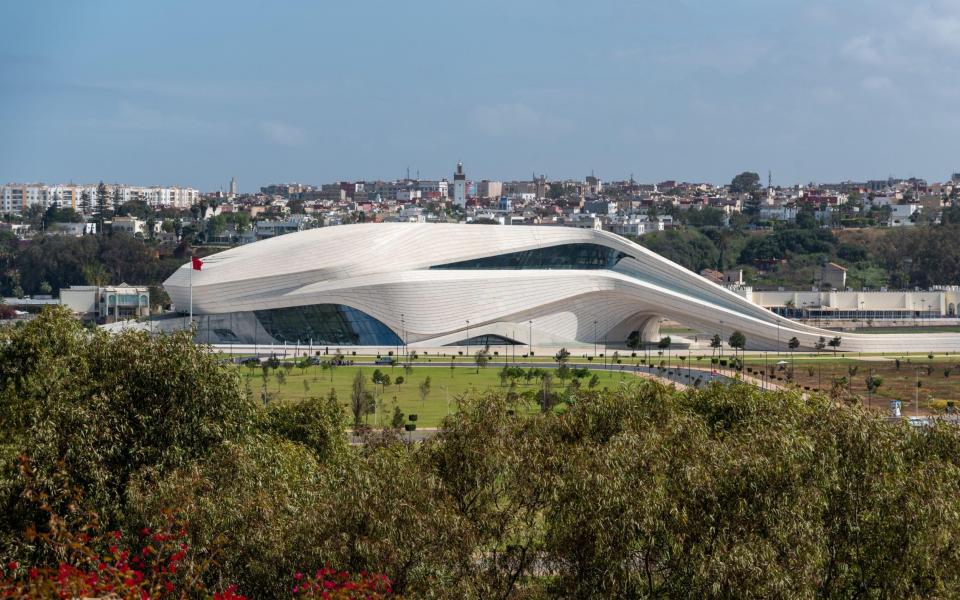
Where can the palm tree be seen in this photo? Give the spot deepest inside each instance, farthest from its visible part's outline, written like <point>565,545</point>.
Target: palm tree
<point>821,343</point>
<point>793,344</point>
<point>835,343</point>
<point>738,341</point>
<point>715,342</point>
<point>664,344</point>
<point>873,384</point>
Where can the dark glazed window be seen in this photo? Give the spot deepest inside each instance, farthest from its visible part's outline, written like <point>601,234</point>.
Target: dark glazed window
<point>326,324</point>
<point>486,340</point>
<point>567,256</point>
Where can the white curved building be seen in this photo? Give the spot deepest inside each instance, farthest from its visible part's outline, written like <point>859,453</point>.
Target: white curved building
<point>431,285</point>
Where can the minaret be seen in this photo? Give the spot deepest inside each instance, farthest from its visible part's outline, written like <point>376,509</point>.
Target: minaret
<point>460,186</point>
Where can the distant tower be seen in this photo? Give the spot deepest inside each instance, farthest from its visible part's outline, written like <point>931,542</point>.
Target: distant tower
<point>460,186</point>
<point>233,187</point>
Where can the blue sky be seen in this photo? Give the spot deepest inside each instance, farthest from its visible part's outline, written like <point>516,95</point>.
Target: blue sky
<point>191,93</point>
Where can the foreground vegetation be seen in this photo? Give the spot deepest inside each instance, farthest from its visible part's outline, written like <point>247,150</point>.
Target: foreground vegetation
<point>640,491</point>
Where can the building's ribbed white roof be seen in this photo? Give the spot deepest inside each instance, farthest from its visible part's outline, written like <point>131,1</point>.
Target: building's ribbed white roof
<point>384,270</point>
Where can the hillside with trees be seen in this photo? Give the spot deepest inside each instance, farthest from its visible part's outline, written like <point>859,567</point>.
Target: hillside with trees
<point>51,262</point>
<point>900,258</point>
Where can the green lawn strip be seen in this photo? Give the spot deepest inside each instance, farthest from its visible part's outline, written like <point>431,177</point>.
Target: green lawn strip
<point>446,385</point>
<point>918,329</point>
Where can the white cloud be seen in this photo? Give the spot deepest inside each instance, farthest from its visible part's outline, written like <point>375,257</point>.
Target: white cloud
<point>865,49</point>
<point>514,118</point>
<point>876,84</point>
<point>134,117</point>
<point>826,95</point>
<point>281,134</point>
<point>729,57</point>
<point>908,37</point>
<point>937,24</point>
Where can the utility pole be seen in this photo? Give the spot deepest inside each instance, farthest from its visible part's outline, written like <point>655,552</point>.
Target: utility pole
<point>594,338</point>
<point>530,344</point>
<point>778,338</point>
<point>916,394</point>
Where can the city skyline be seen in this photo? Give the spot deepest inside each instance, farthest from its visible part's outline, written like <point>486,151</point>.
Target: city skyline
<point>190,95</point>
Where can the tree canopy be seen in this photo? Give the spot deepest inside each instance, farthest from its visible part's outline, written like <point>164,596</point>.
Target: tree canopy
<point>747,182</point>
<point>688,248</point>
<point>63,261</point>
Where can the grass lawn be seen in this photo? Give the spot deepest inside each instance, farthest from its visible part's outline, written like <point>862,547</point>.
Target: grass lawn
<point>445,386</point>
<point>919,329</point>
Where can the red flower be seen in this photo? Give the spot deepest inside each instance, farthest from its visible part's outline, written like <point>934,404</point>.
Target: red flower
<point>12,565</point>
<point>169,587</point>
<point>229,594</point>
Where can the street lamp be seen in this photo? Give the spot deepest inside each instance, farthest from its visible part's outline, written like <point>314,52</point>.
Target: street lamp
<point>778,338</point>
<point>403,327</point>
<point>594,338</point>
<point>468,336</point>
<point>721,338</point>
<point>530,344</point>
<point>916,394</point>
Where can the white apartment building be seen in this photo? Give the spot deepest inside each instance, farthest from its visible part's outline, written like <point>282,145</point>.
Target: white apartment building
<point>635,225</point>
<point>900,215</point>
<point>441,187</point>
<point>17,198</point>
<point>523,196</point>
<point>133,226</point>
<point>408,195</point>
<point>489,189</point>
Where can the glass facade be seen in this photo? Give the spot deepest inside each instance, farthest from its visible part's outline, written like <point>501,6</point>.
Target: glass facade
<point>565,256</point>
<point>486,340</point>
<point>852,315</point>
<point>333,324</point>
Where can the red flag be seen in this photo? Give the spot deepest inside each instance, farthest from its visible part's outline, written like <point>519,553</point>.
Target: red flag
<point>197,263</point>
